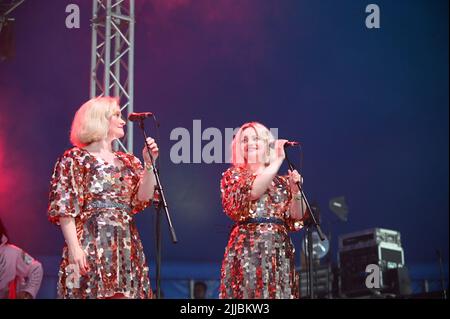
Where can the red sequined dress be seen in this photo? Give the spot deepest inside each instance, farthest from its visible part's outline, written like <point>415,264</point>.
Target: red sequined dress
<point>259,258</point>
<point>102,198</point>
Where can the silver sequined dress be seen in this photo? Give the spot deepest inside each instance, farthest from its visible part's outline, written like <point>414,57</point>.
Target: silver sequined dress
<point>259,258</point>
<point>102,198</point>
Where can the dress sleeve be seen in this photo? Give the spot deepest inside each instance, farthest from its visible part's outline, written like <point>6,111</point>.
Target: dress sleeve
<point>136,204</point>
<point>235,187</point>
<point>66,190</point>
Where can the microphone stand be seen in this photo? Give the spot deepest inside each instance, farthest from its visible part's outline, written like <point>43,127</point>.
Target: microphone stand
<point>309,223</point>
<point>162,203</point>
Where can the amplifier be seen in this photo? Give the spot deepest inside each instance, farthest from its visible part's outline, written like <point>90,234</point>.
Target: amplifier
<point>369,237</point>
<point>377,246</point>
<point>322,282</point>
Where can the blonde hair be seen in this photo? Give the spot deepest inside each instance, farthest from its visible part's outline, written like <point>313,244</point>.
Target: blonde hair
<point>237,156</point>
<point>91,121</point>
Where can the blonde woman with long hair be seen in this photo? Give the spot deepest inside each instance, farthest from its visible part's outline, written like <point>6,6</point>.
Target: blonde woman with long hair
<point>94,194</point>
<point>259,258</point>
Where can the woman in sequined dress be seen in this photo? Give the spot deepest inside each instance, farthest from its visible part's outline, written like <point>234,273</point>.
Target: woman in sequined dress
<point>94,194</point>
<point>259,258</point>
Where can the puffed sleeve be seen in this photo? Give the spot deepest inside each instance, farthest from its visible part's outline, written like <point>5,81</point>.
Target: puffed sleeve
<point>66,189</point>
<point>235,187</point>
<point>136,204</point>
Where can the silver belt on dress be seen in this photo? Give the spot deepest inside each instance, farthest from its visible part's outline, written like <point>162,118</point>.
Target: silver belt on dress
<point>263,220</point>
<point>104,203</point>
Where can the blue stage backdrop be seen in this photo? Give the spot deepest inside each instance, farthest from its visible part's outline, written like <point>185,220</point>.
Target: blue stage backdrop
<point>370,107</point>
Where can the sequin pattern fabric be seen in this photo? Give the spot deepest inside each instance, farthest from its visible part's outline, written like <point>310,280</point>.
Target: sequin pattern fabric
<point>259,258</point>
<point>103,199</point>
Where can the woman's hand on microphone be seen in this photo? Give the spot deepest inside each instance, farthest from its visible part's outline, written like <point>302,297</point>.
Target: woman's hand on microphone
<point>153,149</point>
<point>279,154</point>
<point>148,181</point>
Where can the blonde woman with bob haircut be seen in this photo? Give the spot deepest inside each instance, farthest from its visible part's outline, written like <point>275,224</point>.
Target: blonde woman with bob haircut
<point>94,194</point>
<point>259,258</point>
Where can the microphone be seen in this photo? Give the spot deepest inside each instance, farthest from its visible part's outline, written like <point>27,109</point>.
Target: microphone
<point>134,117</point>
<point>291,143</point>
<point>286,145</point>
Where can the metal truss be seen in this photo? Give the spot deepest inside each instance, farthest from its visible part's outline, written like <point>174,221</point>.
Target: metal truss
<point>112,57</point>
<point>6,7</point>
